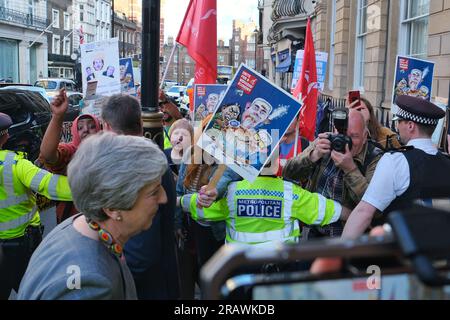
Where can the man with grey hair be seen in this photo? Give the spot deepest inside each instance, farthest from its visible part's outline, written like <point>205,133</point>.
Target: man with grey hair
<point>150,255</point>
<point>341,176</point>
<point>82,257</point>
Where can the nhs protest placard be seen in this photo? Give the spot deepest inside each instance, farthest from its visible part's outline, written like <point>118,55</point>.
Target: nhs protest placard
<point>127,76</point>
<point>413,77</point>
<point>206,99</point>
<point>321,65</point>
<point>248,123</point>
<point>100,73</point>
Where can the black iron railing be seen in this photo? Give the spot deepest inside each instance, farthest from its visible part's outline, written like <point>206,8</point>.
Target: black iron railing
<point>383,114</point>
<point>287,8</point>
<point>25,19</point>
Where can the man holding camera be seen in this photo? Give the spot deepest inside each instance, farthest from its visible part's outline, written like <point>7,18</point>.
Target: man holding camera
<point>337,166</point>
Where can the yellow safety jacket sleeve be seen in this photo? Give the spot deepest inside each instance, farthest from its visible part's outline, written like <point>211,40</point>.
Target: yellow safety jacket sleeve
<point>313,208</point>
<point>52,186</point>
<point>218,211</point>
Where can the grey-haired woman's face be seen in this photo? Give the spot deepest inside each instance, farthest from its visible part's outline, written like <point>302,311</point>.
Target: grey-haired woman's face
<point>140,217</point>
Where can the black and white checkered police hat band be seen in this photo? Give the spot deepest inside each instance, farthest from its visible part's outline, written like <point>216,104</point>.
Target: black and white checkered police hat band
<point>3,132</point>
<point>413,117</point>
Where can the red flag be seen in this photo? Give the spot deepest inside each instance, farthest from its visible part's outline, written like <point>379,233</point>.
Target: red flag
<point>198,33</point>
<point>81,34</point>
<point>307,88</point>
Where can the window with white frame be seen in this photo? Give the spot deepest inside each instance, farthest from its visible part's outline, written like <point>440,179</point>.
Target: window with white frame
<point>236,57</point>
<point>56,45</point>
<point>55,18</point>
<point>66,21</point>
<point>66,49</point>
<point>187,70</point>
<point>332,44</point>
<point>236,48</point>
<point>187,59</point>
<point>414,28</point>
<point>250,46</point>
<point>361,33</point>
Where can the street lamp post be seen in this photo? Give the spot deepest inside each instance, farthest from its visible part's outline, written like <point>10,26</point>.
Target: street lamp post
<point>255,32</point>
<point>151,116</point>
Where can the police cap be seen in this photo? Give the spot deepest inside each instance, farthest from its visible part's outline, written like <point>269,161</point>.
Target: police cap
<point>418,110</point>
<point>5,123</point>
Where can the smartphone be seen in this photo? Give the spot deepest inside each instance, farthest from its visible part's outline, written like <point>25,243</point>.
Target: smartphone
<point>353,96</point>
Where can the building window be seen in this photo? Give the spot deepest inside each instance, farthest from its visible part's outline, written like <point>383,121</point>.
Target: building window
<point>56,45</point>
<point>361,32</point>
<point>66,21</point>
<point>55,18</point>
<point>332,44</point>
<point>175,58</point>
<point>187,70</point>
<point>9,51</point>
<point>187,59</point>
<point>222,59</point>
<point>236,57</point>
<point>251,63</point>
<point>414,27</point>
<point>250,47</point>
<point>236,48</point>
<point>66,50</point>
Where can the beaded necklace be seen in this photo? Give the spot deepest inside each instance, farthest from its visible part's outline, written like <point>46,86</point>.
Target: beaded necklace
<point>106,238</point>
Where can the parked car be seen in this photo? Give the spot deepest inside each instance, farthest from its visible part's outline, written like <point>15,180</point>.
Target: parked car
<point>175,92</point>
<point>53,85</point>
<point>40,90</point>
<point>31,114</point>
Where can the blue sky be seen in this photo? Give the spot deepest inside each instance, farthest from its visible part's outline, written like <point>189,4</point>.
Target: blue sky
<point>227,10</point>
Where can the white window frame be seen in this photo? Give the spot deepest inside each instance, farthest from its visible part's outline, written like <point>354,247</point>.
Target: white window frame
<point>360,48</point>
<point>236,57</point>
<point>66,42</point>
<point>56,38</point>
<point>66,19</point>
<point>187,70</point>
<point>332,45</point>
<point>405,43</point>
<point>55,21</point>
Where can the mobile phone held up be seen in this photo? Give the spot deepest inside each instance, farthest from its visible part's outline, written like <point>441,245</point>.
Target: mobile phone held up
<point>353,96</point>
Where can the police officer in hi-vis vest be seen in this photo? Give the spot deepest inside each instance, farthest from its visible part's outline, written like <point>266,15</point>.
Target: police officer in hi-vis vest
<point>265,211</point>
<point>20,225</point>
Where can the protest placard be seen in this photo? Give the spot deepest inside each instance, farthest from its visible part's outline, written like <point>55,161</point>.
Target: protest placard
<point>127,76</point>
<point>100,73</point>
<point>413,77</point>
<point>321,66</point>
<point>248,123</point>
<point>206,98</point>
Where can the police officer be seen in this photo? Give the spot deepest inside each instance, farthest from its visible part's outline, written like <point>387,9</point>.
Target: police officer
<point>265,211</point>
<point>417,171</point>
<point>20,226</point>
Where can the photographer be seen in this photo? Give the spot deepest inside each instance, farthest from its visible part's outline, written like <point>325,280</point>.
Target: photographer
<point>337,166</point>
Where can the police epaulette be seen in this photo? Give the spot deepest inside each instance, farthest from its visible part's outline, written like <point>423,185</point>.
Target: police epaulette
<point>401,149</point>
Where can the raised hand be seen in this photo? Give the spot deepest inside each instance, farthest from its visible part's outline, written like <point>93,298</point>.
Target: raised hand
<point>60,103</point>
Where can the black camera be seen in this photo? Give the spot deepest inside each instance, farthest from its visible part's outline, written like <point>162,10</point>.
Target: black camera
<point>339,141</point>
<point>340,122</point>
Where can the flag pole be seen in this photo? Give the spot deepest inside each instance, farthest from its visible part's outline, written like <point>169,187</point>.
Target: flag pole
<point>167,66</point>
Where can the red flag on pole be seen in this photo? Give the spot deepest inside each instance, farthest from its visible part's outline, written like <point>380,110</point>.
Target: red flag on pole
<point>81,34</point>
<point>198,33</point>
<point>307,88</point>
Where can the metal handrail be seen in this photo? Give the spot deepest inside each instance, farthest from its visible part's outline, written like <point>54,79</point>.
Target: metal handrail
<point>230,257</point>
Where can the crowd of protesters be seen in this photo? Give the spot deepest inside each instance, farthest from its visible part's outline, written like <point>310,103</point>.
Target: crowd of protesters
<point>143,222</point>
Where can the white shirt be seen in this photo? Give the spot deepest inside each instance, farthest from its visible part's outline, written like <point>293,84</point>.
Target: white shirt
<point>391,177</point>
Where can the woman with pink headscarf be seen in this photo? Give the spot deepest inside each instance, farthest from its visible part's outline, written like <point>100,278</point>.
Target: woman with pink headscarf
<point>55,156</point>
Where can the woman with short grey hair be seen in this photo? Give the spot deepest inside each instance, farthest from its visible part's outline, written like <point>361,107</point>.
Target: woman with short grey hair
<point>116,185</point>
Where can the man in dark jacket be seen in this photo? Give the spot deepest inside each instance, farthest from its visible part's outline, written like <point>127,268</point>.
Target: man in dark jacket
<point>150,255</point>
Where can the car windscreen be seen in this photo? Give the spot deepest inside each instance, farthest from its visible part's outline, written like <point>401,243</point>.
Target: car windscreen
<point>49,85</point>
<point>176,89</point>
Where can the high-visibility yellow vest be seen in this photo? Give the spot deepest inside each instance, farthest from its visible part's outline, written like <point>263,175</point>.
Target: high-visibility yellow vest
<point>265,211</point>
<point>19,178</point>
